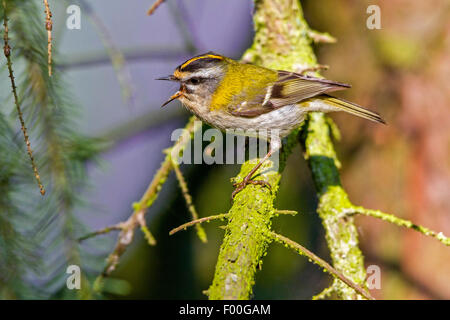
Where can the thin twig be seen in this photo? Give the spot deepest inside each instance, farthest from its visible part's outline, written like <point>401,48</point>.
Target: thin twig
<point>322,263</point>
<point>195,222</point>
<point>137,218</point>
<point>7,52</point>
<point>140,216</point>
<point>155,6</point>
<point>101,231</point>
<point>288,212</point>
<point>321,37</point>
<point>49,27</point>
<point>187,197</point>
<point>400,222</point>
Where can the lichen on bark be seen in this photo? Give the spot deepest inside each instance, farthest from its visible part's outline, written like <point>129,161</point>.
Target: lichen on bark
<point>341,233</point>
<point>282,41</point>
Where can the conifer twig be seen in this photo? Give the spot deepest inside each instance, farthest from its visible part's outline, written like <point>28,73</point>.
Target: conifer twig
<point>48,27</point>
<point>101,231</point>
<point>155,6</point>
<point>7,53</point>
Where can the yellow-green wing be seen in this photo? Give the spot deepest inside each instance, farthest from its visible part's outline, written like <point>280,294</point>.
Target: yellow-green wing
<point>290,88</point>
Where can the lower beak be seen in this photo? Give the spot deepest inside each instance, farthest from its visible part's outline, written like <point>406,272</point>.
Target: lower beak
<point>173,97</point>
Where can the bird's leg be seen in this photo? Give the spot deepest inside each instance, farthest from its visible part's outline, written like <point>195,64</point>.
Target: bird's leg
<point>248,178</point>
<point>274,146</point>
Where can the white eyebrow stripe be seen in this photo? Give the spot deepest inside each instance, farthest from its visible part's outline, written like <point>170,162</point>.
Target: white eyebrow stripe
<point>204,73</point>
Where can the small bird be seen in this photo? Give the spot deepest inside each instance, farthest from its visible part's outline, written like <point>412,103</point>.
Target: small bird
<point>228,94</point>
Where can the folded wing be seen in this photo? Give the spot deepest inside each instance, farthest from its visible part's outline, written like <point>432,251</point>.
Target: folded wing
<point>290,88</point>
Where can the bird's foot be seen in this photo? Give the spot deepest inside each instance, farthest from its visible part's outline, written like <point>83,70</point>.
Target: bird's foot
<point>247,180</point>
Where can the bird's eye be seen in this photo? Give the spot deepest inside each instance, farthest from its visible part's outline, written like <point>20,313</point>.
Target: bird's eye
<point>194,80</point>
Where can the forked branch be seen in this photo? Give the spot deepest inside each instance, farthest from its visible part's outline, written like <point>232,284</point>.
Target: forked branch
<point>137,218</point>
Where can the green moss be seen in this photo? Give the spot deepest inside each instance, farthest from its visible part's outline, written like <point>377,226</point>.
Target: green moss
<point>245,241</point>
<point>282,41</point>
<point>341,233</point>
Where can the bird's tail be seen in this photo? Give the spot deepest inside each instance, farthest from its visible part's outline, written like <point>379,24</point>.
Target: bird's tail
<point>353,108</point>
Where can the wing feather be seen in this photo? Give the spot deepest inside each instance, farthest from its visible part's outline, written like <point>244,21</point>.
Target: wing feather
<point>293,88</point>
<point>290,88</point>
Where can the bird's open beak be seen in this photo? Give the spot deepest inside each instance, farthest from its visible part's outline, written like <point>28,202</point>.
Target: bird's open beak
<point>173,97</point>
<point>168,78</point>
<point>177,94</point>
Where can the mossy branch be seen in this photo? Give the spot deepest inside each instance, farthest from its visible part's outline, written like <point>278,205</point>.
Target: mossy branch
<point>283,41</point>
<point>246,241</point>
<point>221,216</point>
<point>341,233</point>
<point>280,43</point>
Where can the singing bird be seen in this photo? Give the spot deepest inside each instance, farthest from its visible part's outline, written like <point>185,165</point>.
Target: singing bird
<point>228,94</point>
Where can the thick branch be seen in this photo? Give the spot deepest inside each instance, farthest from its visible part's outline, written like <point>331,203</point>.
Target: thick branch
<point>283,41</point>
<point>341,233</point>
<point>280,43</point>
<point>245,239</point>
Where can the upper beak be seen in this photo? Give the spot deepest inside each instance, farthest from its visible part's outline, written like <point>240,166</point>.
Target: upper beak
<point>169,78</point>
<point>173,97</point>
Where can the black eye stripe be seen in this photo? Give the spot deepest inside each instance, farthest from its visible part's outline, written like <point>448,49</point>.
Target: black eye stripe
<point>195,80</point>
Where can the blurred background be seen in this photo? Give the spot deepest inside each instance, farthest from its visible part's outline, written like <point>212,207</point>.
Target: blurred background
<point>107,141</point>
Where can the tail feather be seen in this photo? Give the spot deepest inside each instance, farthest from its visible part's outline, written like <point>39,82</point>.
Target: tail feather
<point>354,109</point>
